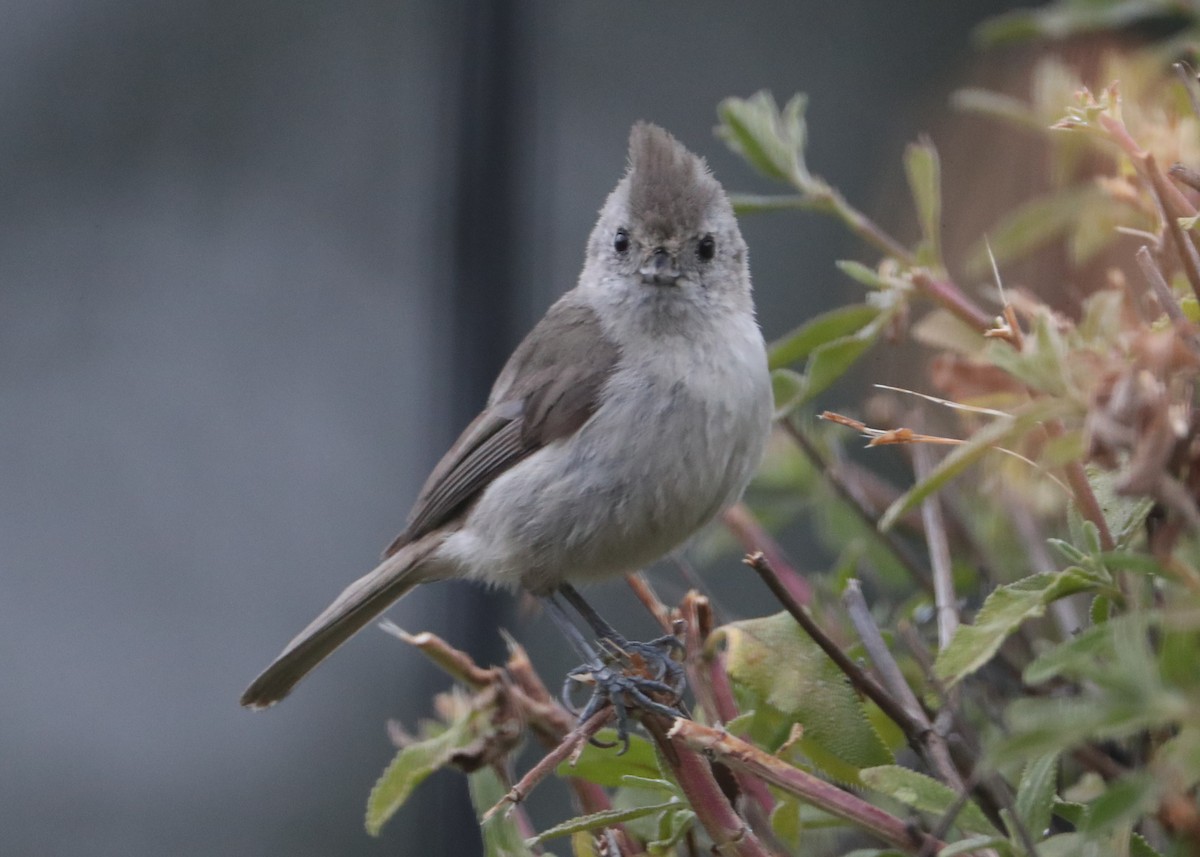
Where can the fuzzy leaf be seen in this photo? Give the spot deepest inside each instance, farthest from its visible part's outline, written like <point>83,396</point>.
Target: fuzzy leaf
<point>786,822</point>
<point>976,845</point>
<point>787,674</point>
<point>500,835</point>
<point>861,274</point>
<point>770,140</point>
<point>998,106</point>
<point>788,388</point>
<point>1089,655</point>
<point>831,361</point>
<point>410,767</point>
<point>925,794</point>
<point>1035,794</point>
<point>944,331</point>
<point>672,827</point>
<point>1035,224</point>
<point>1042,361</point>
<point>605,818</point>
<point>924,173</point>
<point>605,768</point>
<point>1002,613</point>
<point>1038,726</point>
<point>1061,20</point>
<point>1124,514</point>
<point>1122,802</point>
<point>820,330</point>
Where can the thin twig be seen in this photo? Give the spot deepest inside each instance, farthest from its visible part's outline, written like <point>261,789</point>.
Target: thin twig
<point>457,663</point>
<point>1166,297</point>
<point>949,296</point>
<point>1185,175</point>
<point>551,723</point>
<point>862,682</point>
<point>574,739</point>
<point>1175,206</point>
<point>931,742</point>
<point>650,600</point>
<point>881,657</point>
<point>753,536</point>
<point>1081,490</point>
<point>944,598</point>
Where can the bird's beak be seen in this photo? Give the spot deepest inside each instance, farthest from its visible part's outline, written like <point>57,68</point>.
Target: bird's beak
<point>659,269</point>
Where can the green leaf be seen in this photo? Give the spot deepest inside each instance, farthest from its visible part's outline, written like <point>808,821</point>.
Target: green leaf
<point>411,766</point>
<point>1047,725</point>
<point>1139,847</point>
<point>1063,19</point>
<point>1035,224</point>
<point>1101,609</point>
<point>770,140</point>
<point>605,768</point>
<point>788,388</point>
<point>924,173</point>
<point>976,844</point>
<point>925,794</point>
<point>672,827</point>
<point>1001,614</point>
<point>827,362</point>
<point>1035,794</point>
<point>831,361</point>
<point>975,448</point>
<point>820,330</point>
<point>1041,363</point>
<point>1124,514</point>
<point>998,106</point>
<point>1122,802</point>
<point>1068,845</point>
<point>861,274</point>
<point>786,823</point>
<point>1121,560</point>
<point>793,681</point>
<point>1069,551</point>
<point>500,835</point>
<point>1070,811</point>
<point>583,844</point>
<point>605,818</point>
<point>1090,654</point>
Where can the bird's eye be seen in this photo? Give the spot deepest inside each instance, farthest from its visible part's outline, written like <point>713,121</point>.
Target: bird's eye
<point>621,241</point>
<point>707,248</point>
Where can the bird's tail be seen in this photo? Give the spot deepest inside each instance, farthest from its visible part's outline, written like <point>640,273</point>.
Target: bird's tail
<point>359,603</point>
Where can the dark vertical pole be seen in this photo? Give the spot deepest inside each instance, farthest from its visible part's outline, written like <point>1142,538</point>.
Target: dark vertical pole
<point>483,253</point>
<point>484,285</point>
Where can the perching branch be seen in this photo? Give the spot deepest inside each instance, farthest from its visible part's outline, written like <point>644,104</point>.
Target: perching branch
<point>740,755</point>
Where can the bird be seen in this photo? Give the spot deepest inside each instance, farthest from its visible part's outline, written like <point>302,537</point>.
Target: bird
<point>633,413</point>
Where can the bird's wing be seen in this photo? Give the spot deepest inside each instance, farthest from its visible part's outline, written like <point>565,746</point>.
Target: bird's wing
<point>548,389</point>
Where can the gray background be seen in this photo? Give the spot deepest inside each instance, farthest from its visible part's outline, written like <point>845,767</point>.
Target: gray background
<point>258,263</point>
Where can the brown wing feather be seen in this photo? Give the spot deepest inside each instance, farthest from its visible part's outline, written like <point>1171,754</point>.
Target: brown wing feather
<point>548,389</point>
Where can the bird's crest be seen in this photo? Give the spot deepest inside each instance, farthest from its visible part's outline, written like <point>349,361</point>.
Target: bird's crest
<point>670,189</point>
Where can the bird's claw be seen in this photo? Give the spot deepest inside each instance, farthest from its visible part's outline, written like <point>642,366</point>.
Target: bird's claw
<point>628,676</point>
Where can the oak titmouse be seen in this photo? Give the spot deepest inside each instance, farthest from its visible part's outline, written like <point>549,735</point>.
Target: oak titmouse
<point>634,411</point>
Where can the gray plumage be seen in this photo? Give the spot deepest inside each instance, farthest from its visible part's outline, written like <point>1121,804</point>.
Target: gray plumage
<point>630,415</point>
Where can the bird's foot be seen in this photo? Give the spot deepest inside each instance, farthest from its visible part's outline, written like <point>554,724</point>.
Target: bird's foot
<point>630,675</point>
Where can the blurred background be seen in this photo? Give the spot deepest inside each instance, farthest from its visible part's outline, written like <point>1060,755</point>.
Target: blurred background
<point>259,262</point>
